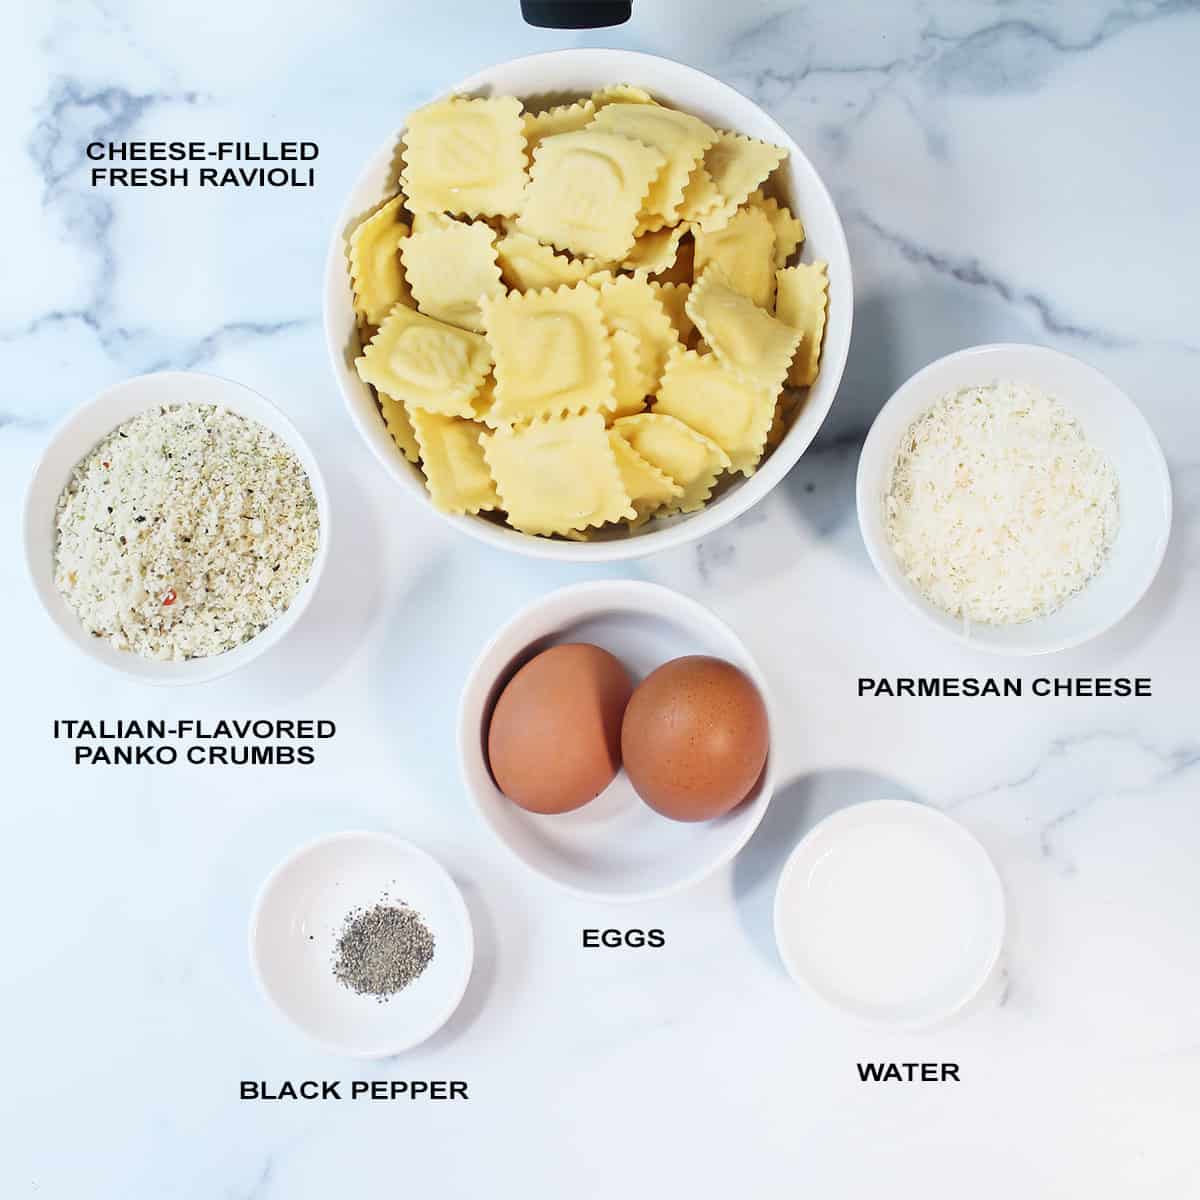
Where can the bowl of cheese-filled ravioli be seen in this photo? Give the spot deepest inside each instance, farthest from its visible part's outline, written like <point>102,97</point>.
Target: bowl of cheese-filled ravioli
<point>578,380</point>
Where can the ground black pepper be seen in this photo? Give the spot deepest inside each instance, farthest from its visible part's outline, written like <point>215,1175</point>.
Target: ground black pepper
<point>381,950</point>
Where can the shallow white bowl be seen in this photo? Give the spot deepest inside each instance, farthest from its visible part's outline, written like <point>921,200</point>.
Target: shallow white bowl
<point>616,847</point>
<point>78,435</point>
<point>578,72</point>
<point>1109,420</point>
<point>891,912</point>
<point>298,917</point>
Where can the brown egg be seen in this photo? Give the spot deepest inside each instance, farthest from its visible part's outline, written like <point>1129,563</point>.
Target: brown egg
<point>694,738</point>
<point>554,740</point>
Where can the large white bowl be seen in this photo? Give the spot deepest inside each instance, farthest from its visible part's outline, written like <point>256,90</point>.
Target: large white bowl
<point>615,848</point>
<point>1109,420</point>
<point>578,72</point>
<point>78,435</point>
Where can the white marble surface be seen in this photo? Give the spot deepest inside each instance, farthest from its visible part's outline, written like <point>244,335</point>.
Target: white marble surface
<point>1019,170</point>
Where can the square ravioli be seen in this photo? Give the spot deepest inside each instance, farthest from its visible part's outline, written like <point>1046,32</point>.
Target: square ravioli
<point>585,192</point>
<point>803,297</point>
<point>744,249</point>
<point>788,229</point>
<point>632,304</point>
<point>649,488</point>
<point>399,425</point>
<point>484,401</point>
<point>786,408</point>
<point>564,118</point>
<point>466,156</point>
<point>558,476</point>
<point>456,474</point>
<point>692,460</point>
<point>737,165</point>
<point>425,363</point>
<point>621,93</point>
<point>700,196</point>
<point>528,266</point>
<point>683,269</point>
<point>673,298</point>
<point>376,272</point>
<point>450,269</point>
<point>552,353</point>
<point>629,377</point>
<point>423,222</point>
<point>654,253</point>
<point>681,138</point>
<point>748,340</point>
<point>714,401</point>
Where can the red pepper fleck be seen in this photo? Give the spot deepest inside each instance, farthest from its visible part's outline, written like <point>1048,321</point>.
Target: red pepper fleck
<point>168,597</point>
<point>106,465</point>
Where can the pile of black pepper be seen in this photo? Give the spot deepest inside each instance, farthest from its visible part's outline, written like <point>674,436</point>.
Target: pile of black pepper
<point>381,950</point>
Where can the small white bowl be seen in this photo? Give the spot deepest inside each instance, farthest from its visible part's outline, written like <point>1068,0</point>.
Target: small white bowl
<point>578,72</point>
<point>1109,419</point>
<point>891,912</point>
<point>78,435</point>
<point>615,848</point>
<point>298,918</point>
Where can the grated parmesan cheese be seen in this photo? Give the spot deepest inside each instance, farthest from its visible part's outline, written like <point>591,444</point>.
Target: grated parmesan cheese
<point>185,533</point>
<point>998,508</point>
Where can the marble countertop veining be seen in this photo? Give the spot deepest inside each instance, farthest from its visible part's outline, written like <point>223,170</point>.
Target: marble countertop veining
<point>1017,170</point>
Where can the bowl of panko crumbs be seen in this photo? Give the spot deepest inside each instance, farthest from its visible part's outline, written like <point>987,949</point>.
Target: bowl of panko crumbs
<point>176,527</point>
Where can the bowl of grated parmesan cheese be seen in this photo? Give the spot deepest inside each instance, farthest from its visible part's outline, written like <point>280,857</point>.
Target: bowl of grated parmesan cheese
<point>176,527</point>
<point>1015,497</point>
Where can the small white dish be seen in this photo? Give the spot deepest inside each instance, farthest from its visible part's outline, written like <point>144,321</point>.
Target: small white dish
<point>298,918</point>
<point>78,435</point>
<point>577,72</point>
<point>1109,419</point>
<point>892,912</point>
<point>615,848</point>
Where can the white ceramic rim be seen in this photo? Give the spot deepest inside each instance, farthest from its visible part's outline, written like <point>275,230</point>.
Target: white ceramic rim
<point>435,869</point>
<point>195,670</point>
<point>606,594</point>
<point>729,506</point>
<point>880,554</point>
<point>989,877</point>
